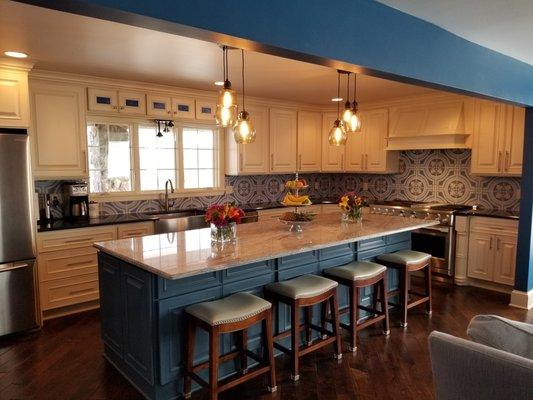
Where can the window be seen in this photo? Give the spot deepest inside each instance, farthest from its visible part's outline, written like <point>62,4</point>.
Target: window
<point>157,158</point>
<point>109,152</point>
<point>199,157</point>
<point>130,158</point>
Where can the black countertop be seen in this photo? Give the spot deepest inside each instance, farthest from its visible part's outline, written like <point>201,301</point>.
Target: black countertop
<point>490,213</point>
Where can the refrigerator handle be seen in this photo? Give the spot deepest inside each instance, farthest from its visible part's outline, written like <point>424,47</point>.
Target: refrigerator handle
<point>12,266</point>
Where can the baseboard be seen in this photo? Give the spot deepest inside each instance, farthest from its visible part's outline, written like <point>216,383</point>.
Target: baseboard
<point>68,310</point>
<point>495,287</point>
<point>521,299</point>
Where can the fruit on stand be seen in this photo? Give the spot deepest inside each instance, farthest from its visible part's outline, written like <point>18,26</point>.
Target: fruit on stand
<point>296,200</point>
<point>291,216</point>
<point>296,183</point>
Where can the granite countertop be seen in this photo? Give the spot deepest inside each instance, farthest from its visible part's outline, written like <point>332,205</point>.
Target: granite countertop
<point>490,213</point>
<point>182,254</point>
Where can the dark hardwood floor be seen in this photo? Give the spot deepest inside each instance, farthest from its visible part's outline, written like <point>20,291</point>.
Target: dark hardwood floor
<point>64,360</point>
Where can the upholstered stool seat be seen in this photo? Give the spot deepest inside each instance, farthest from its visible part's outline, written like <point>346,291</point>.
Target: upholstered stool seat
<point>233,314</point>
<point>234,308</point>
<point>407,257</point>
<point>356,271</point>
<point>357,275</point>
<point>407,261</point>
<point>304,286</point>
<point>300,293</point>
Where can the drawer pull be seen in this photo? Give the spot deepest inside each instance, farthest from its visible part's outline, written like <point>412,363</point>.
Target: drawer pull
<point>79,240</point>
<point>75,264</point>
<point>80,291</point>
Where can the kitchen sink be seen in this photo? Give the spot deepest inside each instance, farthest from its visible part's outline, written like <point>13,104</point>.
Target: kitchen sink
<point>187,220</point>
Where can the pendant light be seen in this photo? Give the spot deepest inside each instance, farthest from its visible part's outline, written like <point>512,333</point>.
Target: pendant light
<point>347,113</point>
<point>354,125</point>
<point>337,134</point>
<point>243,130</point>
<point>226,111</point>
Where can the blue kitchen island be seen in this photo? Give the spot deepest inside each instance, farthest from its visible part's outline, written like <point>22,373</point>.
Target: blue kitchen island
<point>146,283</point>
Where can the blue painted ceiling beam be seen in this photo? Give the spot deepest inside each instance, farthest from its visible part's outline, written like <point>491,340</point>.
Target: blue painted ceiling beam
<point>359,35</point>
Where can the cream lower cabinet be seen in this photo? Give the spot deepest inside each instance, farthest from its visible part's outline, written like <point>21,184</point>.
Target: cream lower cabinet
<point>309,141</point>
<point>14,106</point>
<point>67,265</point>
<point>332,156</point>
<point>498,145</point>
<point>492,247</point>
<point>251,158</point>
<point>58,134</point>
<point>283,140</point>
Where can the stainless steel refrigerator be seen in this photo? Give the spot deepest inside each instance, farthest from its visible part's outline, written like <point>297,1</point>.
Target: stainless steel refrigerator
<point>17,257</point>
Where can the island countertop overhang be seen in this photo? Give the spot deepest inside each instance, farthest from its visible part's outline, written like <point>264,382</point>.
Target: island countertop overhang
<point>182,254</point>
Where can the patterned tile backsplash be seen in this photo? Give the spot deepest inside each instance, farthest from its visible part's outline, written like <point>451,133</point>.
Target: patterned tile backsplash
<point>425,175</point>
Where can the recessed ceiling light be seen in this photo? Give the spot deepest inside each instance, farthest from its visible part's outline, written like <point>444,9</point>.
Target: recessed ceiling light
<point>337,99</point>
<point>15,54</point>
<point>219,83</point>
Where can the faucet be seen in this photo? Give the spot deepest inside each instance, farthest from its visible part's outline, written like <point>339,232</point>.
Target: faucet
<point>166,192</point>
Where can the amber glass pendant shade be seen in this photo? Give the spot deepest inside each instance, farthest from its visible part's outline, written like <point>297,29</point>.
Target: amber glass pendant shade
<point>243,130</point>
<point>354,125</point>
<point>347,114</point>
<point>337,134</point>
<point>225,116</point>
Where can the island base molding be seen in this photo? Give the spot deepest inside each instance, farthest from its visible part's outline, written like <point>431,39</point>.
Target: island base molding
<point>521,299</point>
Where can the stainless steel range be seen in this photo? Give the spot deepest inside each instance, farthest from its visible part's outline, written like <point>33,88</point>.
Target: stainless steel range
<point>438,240</point>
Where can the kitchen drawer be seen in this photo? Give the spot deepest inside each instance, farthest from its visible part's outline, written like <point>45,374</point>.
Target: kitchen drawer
<point>336,251</point>
<point>74,238</point>
<point>136,229</point>
<point>494,225</point>
<point>168,287</point>
<point>297,260</point>
<point>247,271</point>
<point>67,263</point>
<point>68,291</point>
<point>369,244</point>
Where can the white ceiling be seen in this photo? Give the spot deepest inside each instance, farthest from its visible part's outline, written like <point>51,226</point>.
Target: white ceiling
<point>505,26</point>
<point>72,43</point>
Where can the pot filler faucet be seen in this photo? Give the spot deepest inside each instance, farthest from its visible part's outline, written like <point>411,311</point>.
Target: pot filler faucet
<point>167,183</point>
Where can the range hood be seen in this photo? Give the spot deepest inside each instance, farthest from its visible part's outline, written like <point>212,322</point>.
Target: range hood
<point>439,124</point>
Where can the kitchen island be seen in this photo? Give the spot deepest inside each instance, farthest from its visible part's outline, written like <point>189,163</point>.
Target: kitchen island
<point>146,283</point>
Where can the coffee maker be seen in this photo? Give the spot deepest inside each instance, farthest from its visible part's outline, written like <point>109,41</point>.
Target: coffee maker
<point>78,200</point>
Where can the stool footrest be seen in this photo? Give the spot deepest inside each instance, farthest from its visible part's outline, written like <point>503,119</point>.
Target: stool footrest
<point>233,380</point>
<point>418,302</point>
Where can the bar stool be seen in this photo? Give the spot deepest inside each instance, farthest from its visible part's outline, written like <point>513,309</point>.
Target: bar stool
<point>407,261</point>
<point>304,292</point>
<point>235,313</point>
<point>357,275</point>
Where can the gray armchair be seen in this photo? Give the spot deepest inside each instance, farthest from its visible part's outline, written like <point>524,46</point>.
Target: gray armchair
<point>500,367</point>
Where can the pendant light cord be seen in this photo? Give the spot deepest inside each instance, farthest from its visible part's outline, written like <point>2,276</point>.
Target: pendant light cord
<point>348,88</point>
<point>242,58</point>
<point>338,92</point>
<point>224,63</point>
<point>354,88</point>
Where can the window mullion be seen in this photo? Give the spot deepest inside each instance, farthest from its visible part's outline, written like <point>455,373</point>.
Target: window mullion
<point>136,167</point>
<point>179,158</point>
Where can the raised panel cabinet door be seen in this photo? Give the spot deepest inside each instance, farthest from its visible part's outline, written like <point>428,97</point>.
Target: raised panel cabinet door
<point>309,141</point>
<point>487,147</point>
<point>14,107</point>
<point>481,256</point>
<point>282,140</point>
<point>253,157</point>
<point>514,140</point>
<point>355,150</point>
<point>374,129</point>
<point>332,156</point>
<point>58,135</point>
<point>183,107</point>
<point>159,106</point>
<point>102,99</point>
<point>505,265</point>
<point>130,102</point>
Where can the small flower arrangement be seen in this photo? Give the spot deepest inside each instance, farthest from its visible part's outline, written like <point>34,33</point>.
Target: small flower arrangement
<point>223,219</point>
<point>352,206</point>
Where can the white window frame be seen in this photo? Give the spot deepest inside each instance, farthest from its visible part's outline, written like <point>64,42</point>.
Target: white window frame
<point>136,193</point>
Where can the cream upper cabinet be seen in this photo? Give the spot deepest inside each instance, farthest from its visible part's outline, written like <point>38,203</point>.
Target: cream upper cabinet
<point>365,150</point>
<point>283,138</point>
<point>251,158</point>
<point>492,249</point>
<point>58,136</point>
<point>309,141</point>
<point>116,101</point>
<point>14,105</point>
<point>498,139</point>
<point>332,156</point>
<point>169,107</point>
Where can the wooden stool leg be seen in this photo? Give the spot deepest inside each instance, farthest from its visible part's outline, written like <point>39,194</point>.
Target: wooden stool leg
<point>308,322</point>
<point>189,355</point>
<point>324,316</point>
<point>376,296</point>
<point>295,341</point>
<point>242,345</point>
<point>427,273</point>
<point>353,317</point>
<point>334,304</point>
<point>384,304</point>
<point>213,363</point>
<point>404,294</point>
<point>268,343</point>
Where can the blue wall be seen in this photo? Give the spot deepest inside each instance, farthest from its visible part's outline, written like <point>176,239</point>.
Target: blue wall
<point>379,39</point>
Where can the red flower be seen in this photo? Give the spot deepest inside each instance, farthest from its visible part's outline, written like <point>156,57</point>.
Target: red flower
<point>223,214</point>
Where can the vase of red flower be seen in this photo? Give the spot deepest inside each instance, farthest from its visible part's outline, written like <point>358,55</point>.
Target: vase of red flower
<point>223,219</point>
<point>352,205</point>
